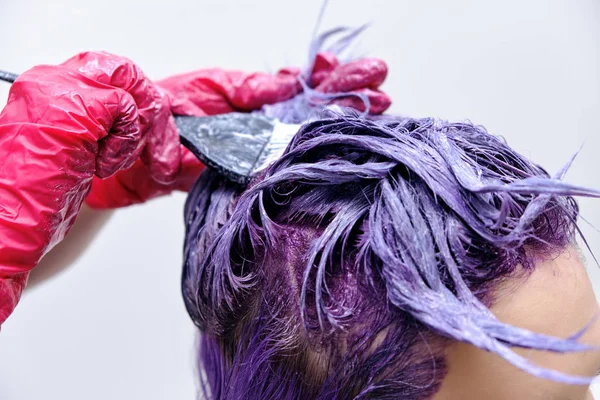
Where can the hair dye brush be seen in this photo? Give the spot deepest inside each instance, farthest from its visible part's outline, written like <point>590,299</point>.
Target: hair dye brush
<point>240,145</point>
<point>237,145</point>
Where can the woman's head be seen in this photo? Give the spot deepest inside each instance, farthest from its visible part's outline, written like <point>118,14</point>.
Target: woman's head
<point>350,264</point>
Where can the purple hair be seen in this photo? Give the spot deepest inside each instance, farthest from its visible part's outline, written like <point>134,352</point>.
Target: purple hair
<point>347,267</point>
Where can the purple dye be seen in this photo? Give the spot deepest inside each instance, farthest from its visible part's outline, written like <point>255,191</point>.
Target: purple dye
<point>346,268</point>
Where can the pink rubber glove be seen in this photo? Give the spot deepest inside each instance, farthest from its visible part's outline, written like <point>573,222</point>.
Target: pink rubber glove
<point>97,118</point>
<point>95,114</point>
<point>215,91</point>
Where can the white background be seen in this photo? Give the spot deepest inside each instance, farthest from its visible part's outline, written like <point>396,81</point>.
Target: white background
<point>113,326</point>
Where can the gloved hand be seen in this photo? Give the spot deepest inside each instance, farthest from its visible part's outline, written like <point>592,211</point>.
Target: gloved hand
<point>214,91</point>
<point>96,115</point>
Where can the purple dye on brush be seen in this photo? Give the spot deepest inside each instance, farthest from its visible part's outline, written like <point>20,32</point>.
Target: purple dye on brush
<point>344,269</point>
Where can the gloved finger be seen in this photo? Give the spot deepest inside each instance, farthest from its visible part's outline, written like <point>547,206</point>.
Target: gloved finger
<point>325,63</point>
<point>124,142</point>
<point>378,101</point>
<point>196,93</point>
<point>134,185</point>
<point>162,152</point>
<point>214,91</point>
<point>153,121</point>
<point>251,92</point>
<point>357,74</point>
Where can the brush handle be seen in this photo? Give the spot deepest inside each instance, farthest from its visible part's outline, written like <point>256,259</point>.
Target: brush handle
<point>8,76</point>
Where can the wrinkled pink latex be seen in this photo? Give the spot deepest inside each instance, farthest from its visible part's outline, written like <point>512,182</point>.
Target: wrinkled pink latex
<point>96,128</point>
<point>214,91</point>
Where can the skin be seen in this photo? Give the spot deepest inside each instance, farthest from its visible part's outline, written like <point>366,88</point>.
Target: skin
<point>555,299</point>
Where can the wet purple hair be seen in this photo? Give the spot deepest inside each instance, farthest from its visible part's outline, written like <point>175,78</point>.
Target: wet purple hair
<point>344,270</point>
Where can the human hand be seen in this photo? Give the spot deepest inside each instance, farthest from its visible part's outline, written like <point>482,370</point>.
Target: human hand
<point>216,91</point>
